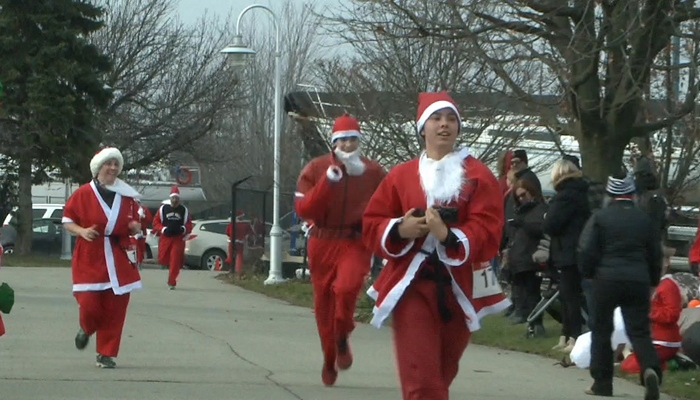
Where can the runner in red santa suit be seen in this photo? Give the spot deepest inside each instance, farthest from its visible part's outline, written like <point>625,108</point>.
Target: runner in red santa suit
<point>332,191</point>
<point>139,240</point>
<point>437,219</point>
<point>173,223</point>
<point>103,214</point>
<point>242,231</point>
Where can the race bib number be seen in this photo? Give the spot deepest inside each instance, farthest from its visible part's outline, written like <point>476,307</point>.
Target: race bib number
<point>131,255</point>
<point>485,283</point>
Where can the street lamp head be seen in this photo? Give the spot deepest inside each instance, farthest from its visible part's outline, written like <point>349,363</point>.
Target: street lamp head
<point>237,52</point>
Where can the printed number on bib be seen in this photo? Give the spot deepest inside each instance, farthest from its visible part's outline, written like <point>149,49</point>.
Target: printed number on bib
<point>485,283</point>
<point>131,255</point>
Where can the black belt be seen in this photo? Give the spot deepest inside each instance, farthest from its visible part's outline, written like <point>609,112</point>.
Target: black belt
<point>434,270</point>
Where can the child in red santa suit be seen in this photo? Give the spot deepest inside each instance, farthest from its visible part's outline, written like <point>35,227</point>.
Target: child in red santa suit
<point>665,312</point>
<point>437,219</point>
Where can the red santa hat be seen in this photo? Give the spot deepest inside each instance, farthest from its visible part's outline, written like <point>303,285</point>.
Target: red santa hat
<point>431,102</point>
<point>174,191</point>
<point>345,126</point>
<point>104,155</point>
<point>240,213</point>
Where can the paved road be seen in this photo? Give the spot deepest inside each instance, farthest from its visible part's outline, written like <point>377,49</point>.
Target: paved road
<point>209,340</point>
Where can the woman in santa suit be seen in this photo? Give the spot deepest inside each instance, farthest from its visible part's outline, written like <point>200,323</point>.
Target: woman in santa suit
<point>103,214</point>
<point>437,219</point>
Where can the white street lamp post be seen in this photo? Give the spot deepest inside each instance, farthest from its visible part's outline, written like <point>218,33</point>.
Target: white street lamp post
<point>237,52</point>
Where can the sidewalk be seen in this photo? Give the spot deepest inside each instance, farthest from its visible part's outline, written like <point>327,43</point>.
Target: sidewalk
<point>210,340</point>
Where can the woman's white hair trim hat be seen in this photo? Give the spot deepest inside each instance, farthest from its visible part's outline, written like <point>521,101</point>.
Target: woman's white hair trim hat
<point>102,156</point>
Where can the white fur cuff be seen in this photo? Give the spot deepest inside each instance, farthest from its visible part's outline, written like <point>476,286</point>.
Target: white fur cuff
<point>334,173</point>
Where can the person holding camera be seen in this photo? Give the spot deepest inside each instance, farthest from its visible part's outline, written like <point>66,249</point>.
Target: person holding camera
<point>173,224</point>
<point>437,221</point>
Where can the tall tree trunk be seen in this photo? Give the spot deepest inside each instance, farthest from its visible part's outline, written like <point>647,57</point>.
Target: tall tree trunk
<point>23,246</point>
<point>601,155</point>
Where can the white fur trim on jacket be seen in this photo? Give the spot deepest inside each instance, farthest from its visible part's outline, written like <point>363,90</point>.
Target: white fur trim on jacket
<point>385,238</point>
<point>463,241</point>
<point>334,173</point>
<point>105,154</point>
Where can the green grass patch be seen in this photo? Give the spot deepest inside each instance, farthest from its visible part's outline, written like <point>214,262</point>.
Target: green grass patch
<point>16,260</point>
<point>496,331</point>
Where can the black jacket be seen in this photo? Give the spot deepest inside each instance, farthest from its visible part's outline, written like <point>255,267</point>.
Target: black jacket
<point>620,243</point>
<point>525,235</point>
<point>568,212</point>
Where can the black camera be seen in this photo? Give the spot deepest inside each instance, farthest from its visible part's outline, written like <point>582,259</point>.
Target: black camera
<point>447,214</point>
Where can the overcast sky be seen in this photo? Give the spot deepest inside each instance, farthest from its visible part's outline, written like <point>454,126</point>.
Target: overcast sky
<point>190,10</point>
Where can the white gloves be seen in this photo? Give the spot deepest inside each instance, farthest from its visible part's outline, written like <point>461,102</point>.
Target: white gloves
<point>334,173</point>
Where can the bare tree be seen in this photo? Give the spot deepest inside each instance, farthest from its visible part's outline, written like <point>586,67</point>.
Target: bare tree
<point>600,53</point>
<point>243,145</point>
<point>171,87</point>
<point>381,81</point>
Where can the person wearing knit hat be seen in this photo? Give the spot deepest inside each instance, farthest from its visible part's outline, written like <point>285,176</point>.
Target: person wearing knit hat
<point>436,222</point>
<point>103,214</point>
<point>173,224</point>
<point>332,191</point>
<point>621,253</point>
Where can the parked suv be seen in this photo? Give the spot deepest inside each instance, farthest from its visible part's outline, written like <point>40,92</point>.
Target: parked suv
<point>207,245</point>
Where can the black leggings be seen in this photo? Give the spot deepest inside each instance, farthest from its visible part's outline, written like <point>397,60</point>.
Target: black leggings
<point>571,293</point>
<point>526,286</point>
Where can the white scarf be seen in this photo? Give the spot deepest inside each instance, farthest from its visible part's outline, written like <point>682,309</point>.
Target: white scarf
<point>123,188</point>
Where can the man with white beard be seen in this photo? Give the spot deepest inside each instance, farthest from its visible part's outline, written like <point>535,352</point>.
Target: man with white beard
<point>332,193</point>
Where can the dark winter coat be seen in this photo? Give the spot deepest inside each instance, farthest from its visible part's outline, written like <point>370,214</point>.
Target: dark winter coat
<point>568,212</point>
<point>525,235</point>
<point>620,243</point>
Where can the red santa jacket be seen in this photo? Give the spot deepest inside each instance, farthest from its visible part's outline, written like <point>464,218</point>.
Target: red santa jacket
<point>102,263</point>
<point>336,206</point>
<point>243,229</point>
<point>666,306</point>
<point>458,180</point>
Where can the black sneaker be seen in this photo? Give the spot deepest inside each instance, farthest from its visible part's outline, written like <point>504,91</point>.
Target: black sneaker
<point>105,362</point>
<point>81,339</point>
<point>651,385</point>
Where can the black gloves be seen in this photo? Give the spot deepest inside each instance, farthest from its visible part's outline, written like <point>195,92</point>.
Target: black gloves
<point>694,269</point>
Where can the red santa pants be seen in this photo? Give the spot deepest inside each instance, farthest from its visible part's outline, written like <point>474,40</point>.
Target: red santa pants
<point>2,327</point>
<point>171,252</point>
<point>338,267</point>
<point>239,256</point>
<point>631,365</point>
<point>103,313</point>
<point>427,349</point>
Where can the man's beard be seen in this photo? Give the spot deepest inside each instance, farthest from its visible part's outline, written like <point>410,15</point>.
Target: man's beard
<point>352,161</point>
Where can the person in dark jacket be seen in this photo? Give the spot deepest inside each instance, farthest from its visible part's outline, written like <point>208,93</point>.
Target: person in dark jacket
<point>564,221</point>
<point>620,250</point>
<point>525,236</point>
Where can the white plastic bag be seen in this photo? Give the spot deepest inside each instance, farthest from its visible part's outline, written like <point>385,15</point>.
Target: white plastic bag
<point>581,354</point>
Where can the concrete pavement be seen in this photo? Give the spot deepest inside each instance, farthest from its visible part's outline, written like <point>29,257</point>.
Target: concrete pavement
<point>210,340</point>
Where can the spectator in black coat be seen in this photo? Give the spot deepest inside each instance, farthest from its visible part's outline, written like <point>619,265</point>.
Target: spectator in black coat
<point>526,233</point>
<point>564,221</point>
<point>620,250</point>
